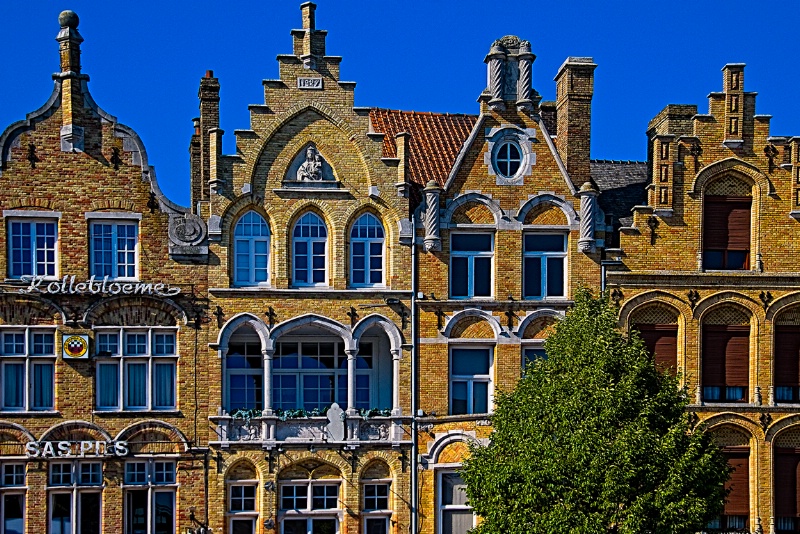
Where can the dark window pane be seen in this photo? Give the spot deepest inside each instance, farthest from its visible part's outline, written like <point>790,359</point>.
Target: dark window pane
<point>472,242</point>
<point>545,243</point>
<point>713,259</point>
<point>555,277</point>
<point>458,277</point>
<point>533,277</point>
<point>90,513</point>
<point>459,397</point>
<point>482,277</point>
<point>468,362</point>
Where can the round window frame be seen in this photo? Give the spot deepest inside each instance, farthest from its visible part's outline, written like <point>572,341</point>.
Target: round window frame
<point>501,144</point>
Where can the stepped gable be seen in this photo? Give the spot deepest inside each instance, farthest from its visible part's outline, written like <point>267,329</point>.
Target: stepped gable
<point>436,139</point>
<point>622,186</point>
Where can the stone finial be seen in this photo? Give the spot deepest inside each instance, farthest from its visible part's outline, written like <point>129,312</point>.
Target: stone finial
<point>69,40</point>
<point>68,19</point>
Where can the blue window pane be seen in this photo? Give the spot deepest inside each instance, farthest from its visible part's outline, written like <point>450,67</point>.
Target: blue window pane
<point>136,385</point>
<point>480,397</point>
<point>532,277</point>
<point>482,277</point>
<point>545,243</point>
<point>13,385</point>
<point>459,283</point>
<point>459,398</point>
<point>472,242</point>
<point>555,277</point>
<point>165,385</point>
<point>467,362</point>
<point>108,385</point>
<point>42,386</point>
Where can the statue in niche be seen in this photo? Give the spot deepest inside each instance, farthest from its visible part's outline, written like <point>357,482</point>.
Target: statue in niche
<point>311,168</point>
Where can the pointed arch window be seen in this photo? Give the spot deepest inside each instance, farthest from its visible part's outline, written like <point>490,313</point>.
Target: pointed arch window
<point>251,250</point>
<point>309,251</point>
<point>366,252</point>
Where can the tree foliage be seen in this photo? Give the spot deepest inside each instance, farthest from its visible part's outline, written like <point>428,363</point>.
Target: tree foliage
<point>594,439</point>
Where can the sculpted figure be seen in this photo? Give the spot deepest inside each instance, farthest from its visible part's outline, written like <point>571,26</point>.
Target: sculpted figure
<point>311,169</point>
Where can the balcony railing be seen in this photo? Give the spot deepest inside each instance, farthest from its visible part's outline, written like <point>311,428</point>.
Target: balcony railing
<point>271,429</point>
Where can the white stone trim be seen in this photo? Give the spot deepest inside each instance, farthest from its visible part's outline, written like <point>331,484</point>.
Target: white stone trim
<point>37,214</point>
<point>119,215</point>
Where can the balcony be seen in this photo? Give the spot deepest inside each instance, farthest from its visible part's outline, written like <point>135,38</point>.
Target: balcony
<point>335,428</point>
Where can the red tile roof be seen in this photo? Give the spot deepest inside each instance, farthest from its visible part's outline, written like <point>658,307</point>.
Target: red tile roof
<point>436,139</point>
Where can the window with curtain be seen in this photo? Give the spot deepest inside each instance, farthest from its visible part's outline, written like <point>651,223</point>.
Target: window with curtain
<point>726,232</point>
<point>136,368</point>
<point>544,265</point>
<point>726,363</point>
<point>27,368</point>
<point>366,252</point>
<point>251,250</point>
<point>12,498</point>
<point>309,251</point>
<point>470,380</point>
<point>32,248</point>
<point>455,515</point>
<point>114,249</point>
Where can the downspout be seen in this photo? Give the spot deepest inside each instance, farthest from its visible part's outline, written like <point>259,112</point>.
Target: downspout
<point>414,357</point>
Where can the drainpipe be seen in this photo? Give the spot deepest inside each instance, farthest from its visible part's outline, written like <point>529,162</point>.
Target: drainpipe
<point>604,264</point>
<point>414,358</point>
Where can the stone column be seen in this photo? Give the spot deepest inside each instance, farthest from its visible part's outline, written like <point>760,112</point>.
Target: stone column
<point>396,355</point>
<point>588,195</point>
<point>351,381</point>
<point>525,81</point>
<point>223,357</point>
<point>496,61</point>
<point>433,239</point>
<point>267,354</point>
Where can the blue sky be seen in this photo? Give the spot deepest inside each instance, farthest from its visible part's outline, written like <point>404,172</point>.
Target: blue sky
<point>146,58</point>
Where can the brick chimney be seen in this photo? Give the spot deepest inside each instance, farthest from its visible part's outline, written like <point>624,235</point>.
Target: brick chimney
<point>309,43</point>
<point>209,120</point>
<point>574,90</point>
<point>72,82</point>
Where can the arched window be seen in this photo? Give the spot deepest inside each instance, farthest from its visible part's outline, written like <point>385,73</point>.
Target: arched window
<point>309,244</point>
<point>245,373</point>
<point>251,250</point>
<point>726,356</point>
<point>727,204</point>
<point>366,252</point>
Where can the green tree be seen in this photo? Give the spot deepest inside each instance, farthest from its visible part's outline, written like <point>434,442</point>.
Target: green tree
<point>594,439</point>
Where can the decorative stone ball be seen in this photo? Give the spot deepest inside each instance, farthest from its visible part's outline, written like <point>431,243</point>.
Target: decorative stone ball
<point>68,19</point>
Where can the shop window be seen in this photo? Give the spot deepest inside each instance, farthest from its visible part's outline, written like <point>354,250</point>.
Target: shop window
<point>544,265</point>
<point>366,252</point>
<point>32,248</point>
<point>114,250</point>
<point>12,498</point>
<point>27,366</point>
<point>309,251</point>
<point>376,509</point>
<point>726,363</point>
<point>244,367</point>
<point>251,250</point>
<point>737,504</point>
<point>726,232</point>
<point>787,363</point>
<point>136,369</point>
<point>75,496</point>
<point>470,380</point>
<point>242,511</point>
<point>661,341</point>
<point>471,265</point>
<point>455,515</point>
<point>310,508</point>
<point>313,375</point>
<point>149,487</point>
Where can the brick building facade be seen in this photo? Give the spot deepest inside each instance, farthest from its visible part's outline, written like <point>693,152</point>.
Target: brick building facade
<point>312,346</point>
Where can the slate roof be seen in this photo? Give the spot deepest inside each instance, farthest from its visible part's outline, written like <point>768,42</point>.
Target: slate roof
<point>622,186</point>
<point>436,139</point>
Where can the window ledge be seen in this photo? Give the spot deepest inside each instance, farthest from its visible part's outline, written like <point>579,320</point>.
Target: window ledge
<point>29,413</point>
<point>137,413</point>
<point>305,291</point>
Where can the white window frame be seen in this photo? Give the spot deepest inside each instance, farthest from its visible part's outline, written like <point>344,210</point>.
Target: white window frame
<point>441,507</point>
<point>13,489</point>
<point>376,513</point>
<point>239,515</point>
<point>496,158</point>
<point>543,257</point>
<point>122,361</point>
<point>114,220</point>
<point>471,255</point>
<point>153,488</point>
<point>310,253</point>
<point>74,489</point>
<point>472,379</point>
<point>529,344</point>
<point>309,513</point>
<point>367,242</point>
<point>33,218</point>
<point>251,242</point>
<point>229,372</point>
<point>29,360</point>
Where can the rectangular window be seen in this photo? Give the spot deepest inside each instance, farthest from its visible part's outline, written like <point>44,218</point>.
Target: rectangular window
<point>726,232</point>
<point>531,355</point>
<point>243,499</point>
<point>108,386</point>
<point>376,525</point>
<point>136,473</point>
<point>27,366</point>
<point>12,513</point>
<point>325,496</point>
<point>32,248</point>
<point>91,473</point>
<point>661,341</point>
<point>470,380</point>
<point>143,504</point>
<point>294,497</point>
<point>107,343</point>
<point>544,265</point>
<point>13,475</point>
<point>737,503</point>
<point>61,474</point>
<point>61,513</point>
<point>114,250</point>
<point>455,514</point>
<point>787,363</point>
<point>726,363</point>
<point>164,473</point>
<point>376,496</point>
<point>471,258</point>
